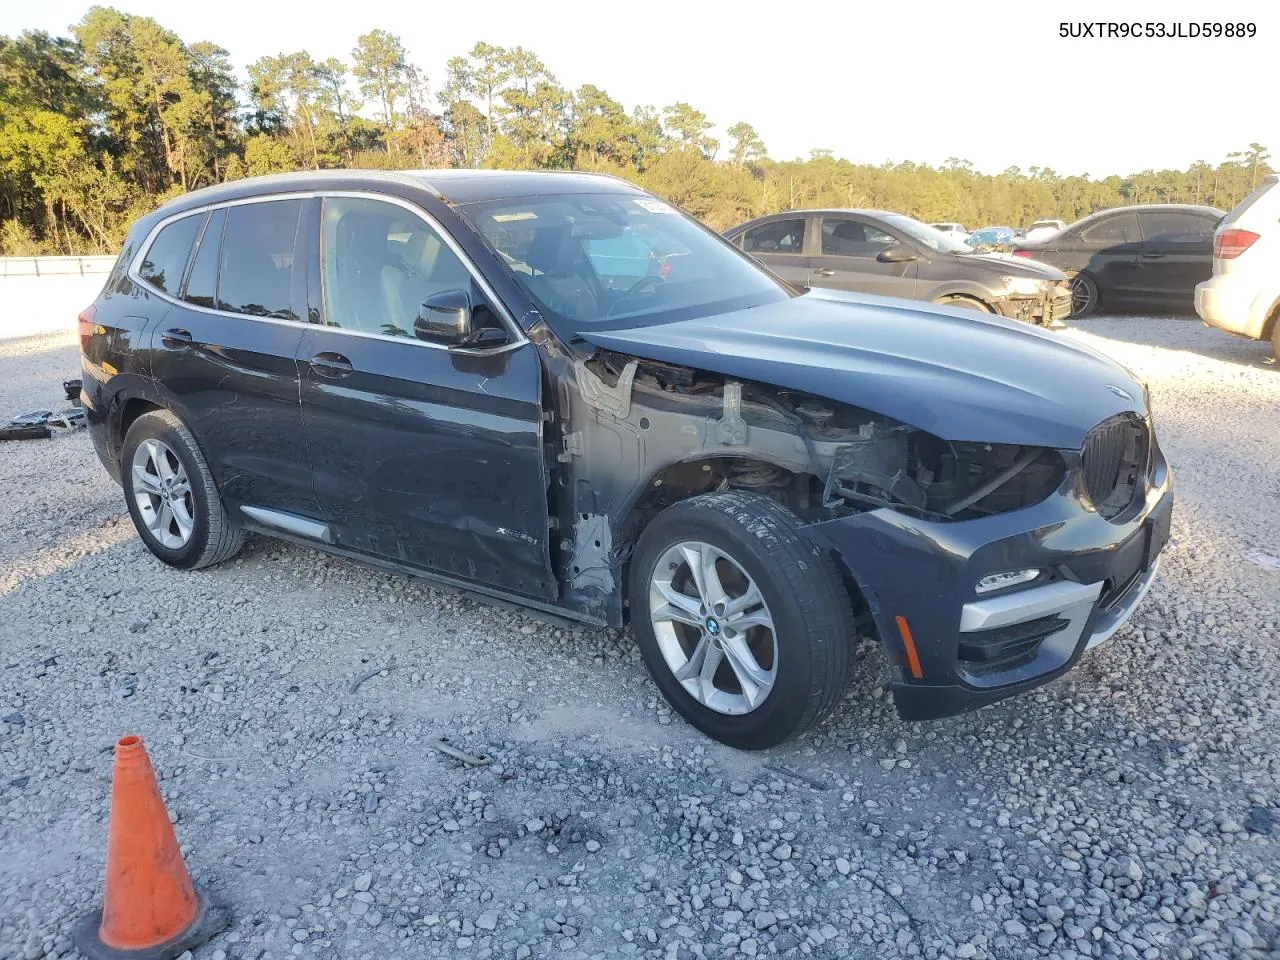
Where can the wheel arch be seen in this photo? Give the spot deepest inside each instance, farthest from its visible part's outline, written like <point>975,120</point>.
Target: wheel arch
<point>967,289</point>
<point>752,471</point>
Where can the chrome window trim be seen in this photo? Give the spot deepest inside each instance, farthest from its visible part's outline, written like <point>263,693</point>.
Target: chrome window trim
<point>504,314</point>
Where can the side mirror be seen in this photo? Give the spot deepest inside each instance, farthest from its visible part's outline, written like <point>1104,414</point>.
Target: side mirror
<point>444,318</point>
<point>895,254</point>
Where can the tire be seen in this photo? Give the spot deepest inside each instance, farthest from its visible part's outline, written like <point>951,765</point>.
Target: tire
<point>969,303</point>
<point>807,648</point>
<point>1084,296</point>
<point>1275,338</point>
<point>198,532</point>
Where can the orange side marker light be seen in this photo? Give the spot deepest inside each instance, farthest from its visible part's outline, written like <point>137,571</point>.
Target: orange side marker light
<point>913,659</point>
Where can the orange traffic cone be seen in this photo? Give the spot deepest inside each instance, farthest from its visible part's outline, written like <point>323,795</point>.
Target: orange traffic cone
<point>151,910</point>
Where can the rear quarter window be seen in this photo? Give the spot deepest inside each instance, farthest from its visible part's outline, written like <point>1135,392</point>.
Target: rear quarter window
<point>166,259</point>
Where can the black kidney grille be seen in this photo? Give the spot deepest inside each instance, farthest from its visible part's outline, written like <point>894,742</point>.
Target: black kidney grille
<point>1114,462</point>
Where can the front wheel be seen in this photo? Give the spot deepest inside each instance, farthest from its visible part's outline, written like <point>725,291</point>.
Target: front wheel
<point>743,624</point>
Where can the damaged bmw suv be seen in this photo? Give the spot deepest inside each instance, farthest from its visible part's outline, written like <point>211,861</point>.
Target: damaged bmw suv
<point>556,389</point>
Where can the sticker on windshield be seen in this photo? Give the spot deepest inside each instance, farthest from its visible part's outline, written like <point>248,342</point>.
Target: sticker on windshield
<point>656,206</point>
<point>509,217</point>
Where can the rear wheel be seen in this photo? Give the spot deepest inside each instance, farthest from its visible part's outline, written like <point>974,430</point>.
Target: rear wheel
<point>171,495</point>
<point>1084,296</point>
<point>743,624</point>
<point>969,303</point>
<point>1275,337</point>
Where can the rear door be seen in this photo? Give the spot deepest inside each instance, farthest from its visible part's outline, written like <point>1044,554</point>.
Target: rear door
<point>224,352</point>
<point>780,245</point>
<point>1110,250</point>
<point>1177,253</point>
<point>849,248</point>
<point>424,455</point>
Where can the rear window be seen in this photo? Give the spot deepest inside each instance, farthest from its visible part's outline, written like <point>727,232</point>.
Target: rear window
<point>256,273</point>
<point>203,280</point>
<point>1121,229</point>
<point>166,258</point>
<point>1238,210</point>
<point>778,236</point>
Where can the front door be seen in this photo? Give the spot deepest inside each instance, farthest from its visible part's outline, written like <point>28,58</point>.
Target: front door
<point>225,348</point>
<point>1177,253</point>
<point>850,248</point>
<point>423,455</point>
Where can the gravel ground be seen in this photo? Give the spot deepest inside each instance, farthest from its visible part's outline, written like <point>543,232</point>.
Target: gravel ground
<point>1131,809</point>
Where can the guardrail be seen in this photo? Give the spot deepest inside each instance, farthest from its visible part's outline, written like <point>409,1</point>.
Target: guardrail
<point>40,295</point>
<point>54,266</point>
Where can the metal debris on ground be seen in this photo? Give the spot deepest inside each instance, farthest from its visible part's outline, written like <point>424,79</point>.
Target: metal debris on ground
<point>390,664</point>
<point>787,771</point>
<point>40,424</point>
<point>451,751</point>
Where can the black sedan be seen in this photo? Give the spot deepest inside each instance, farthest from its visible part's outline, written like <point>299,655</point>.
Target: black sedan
<point>875,251</point>
<point>1145,257</point>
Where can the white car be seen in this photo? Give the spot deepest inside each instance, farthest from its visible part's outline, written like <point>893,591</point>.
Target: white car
<point>955,231</point>
<point>1044,229</point>
<point>1243,295</point>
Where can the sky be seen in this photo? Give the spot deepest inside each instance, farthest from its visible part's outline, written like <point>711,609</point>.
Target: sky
<point>989,82</point>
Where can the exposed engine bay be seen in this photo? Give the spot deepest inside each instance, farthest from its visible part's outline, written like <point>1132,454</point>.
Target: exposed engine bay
<point>846,458</point>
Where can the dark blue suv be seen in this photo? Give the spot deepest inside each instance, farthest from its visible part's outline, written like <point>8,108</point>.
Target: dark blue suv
<point>556,389</point>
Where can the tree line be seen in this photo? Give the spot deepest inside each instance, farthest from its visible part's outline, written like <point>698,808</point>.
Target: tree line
<point>102,125</point>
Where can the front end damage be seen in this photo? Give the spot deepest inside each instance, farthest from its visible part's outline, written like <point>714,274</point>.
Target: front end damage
<point>915,521</point>
<point>1048,309</point>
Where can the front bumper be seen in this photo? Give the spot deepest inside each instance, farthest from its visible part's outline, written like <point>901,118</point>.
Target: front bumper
<point>1049,310</point>
<point>952,650</point>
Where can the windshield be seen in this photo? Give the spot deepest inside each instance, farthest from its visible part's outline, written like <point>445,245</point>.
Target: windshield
<point>597,260</point>
<point>935,240</point>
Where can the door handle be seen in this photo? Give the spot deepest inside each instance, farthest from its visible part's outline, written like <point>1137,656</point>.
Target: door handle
<point>332,366</point>
<point>176,335</point>
<point>823,272</point>
<point>1152,256</point>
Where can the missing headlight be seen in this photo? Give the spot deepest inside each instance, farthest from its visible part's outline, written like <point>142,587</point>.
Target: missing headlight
<point>905,469</point>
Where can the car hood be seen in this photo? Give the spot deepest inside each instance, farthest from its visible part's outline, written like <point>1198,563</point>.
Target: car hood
<point>1006,264</point>
<point>958,374</point>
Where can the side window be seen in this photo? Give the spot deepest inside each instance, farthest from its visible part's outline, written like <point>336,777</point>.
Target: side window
<point>379,262</point>
<point>203,281</point>
<point>777,236</point>
<point>852,238</point>
<point>1176,227</point>
<point>256,271</point>
<point>1112,230</point>
<point>167,256</point>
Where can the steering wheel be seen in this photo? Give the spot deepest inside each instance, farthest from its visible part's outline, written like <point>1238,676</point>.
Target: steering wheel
<point>644,282</point>
<point>640,285</point>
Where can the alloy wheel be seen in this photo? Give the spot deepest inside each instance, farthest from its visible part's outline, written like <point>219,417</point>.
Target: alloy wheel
<point>162,494</point>
<point>713,628</point>
<point>1082,296</point>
